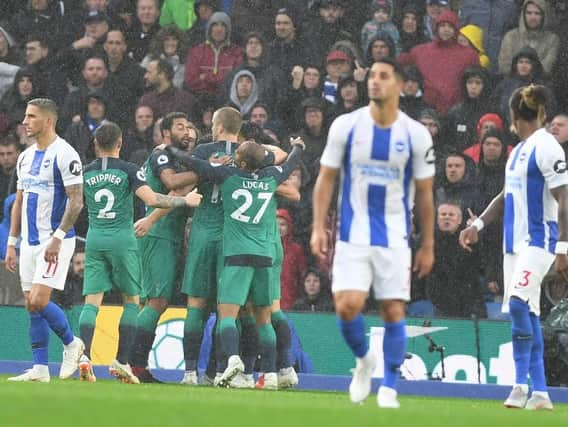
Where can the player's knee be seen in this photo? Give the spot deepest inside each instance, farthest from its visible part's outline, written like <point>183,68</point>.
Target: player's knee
<point>392,311</point>
<point>347,309</point>
<point>36,304</point>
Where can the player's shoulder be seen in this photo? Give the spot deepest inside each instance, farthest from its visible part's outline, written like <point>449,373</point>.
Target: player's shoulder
<point>413,126</point>
<point>353,117</point>
<point>159,157</point>
<point>62,147</point>
<point>95,165</point>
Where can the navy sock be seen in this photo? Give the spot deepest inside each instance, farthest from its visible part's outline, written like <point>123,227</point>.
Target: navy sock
<point>229,336</point>
<point>283,340</point>
<point>536,367</point>
<point>220,356</point>
<point>394,346</point>
<point>522,332</point>
<point>58,322</point>
<point>353,332</point>
<point>39,338</point>
<point>126,332</point>
<point>87,322</point>
<point>249,343</point>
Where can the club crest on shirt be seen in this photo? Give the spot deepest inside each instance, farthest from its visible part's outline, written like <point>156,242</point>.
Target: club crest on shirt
<point>399,146</point>
<point>560,166</point>
<point>46,163</point>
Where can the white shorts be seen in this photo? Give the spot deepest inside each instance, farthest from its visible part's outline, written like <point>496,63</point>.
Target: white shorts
<point>523,273</point>
<point>387,270</point>
<point>34,269</point>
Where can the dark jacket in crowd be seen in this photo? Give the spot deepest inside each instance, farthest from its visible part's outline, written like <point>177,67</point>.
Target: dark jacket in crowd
<point>454,283</point>
<point>138,40</point>
<point>459,124</point>
<point>464,192</point>
<point>52,81</point>
<point>12,104</point>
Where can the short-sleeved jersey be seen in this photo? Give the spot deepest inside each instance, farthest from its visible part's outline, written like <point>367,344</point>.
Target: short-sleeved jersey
<point>109,185</point>
<point>172,225</point>
<point>42,177</point>
<point>249,207</point>
<point>378,169</point>
<point>535,166</point>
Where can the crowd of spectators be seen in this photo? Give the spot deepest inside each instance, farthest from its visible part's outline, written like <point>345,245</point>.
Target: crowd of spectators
<point>290,67</point>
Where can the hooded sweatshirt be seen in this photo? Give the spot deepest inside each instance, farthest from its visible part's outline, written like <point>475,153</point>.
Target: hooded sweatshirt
<point>442,64</point>
<point>546,43</point>
<point>246,106</point>
<point>293,265</point>
<point>474,35</point>
<point>208,63</point>
<point>474,152</point>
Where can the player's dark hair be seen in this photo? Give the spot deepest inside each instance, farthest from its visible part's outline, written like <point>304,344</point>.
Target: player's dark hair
<point>168,120</point>
<point>46,105</point>
<point>397,67</point>
<point>529,102</point>
<point>230,118</point>
<point>253,154</point>
<point>107,136</point>
<point>165,67</point>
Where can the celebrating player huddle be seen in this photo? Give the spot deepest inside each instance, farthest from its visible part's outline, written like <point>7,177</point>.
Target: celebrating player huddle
<point>386,164</point>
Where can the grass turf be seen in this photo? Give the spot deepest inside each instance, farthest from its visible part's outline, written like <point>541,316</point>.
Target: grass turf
<point>109,403</point>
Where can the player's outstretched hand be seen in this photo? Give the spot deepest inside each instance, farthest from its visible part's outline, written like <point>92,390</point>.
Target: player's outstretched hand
<point>52,251</point>
<point>193,198</point>
<point>561,266</point>
<point>142,227</point>
<point>11,259</point>
<point>423,261</point>
<point>468,236</point>
<point>319,243</point>
<point>299,142</point>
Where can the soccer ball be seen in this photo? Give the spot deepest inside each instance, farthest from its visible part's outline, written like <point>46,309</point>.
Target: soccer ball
<point>167,350</point>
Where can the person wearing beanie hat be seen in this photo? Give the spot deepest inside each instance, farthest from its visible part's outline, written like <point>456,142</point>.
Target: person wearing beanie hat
<point>442,63</point>
<point>532,31</point>
<point>208,63</point>
<point>486,122</point>
<point>412,96</point>
<point>472,36</point>
<point>381,20</point>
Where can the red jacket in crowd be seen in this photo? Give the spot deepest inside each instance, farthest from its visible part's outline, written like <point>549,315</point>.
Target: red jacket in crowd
<point>442,64</point>
<point>293,265</point>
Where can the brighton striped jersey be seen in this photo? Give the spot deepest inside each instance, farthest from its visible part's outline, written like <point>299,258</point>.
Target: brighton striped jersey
<point>43,176</point>
<point>535,166</point>
<point>378,169</point>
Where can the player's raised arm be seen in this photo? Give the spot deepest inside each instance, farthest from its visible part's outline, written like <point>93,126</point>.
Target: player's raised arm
<point>203,168</point>
<point>15,227</point>
<point>279,154</point>
<point>492,212</point>
<point>157,200</point>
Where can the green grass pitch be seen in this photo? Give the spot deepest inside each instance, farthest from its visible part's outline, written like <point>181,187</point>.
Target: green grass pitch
<point>109,403</point>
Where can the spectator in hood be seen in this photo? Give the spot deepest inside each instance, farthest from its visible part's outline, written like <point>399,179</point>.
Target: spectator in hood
<point>349,96</point>
<point>486,122</point>
<point>525,68</point>
<point>472,36</point>
<point>412,96</point>
<point>434,8</point>
<point>203,9</point>
<point>14,102</point>
<point>169,44</point>
<point>208,63</point>
<point>461,120</point>
<point>316,293</point>
<point>381,20</point>
<point>531,32</point>
<point>268,77</point>
<point>411,28</point>
<point>442,63</point>
<point>80,134</point>
<point>244,92</point>
<point>380,46</point>
<point>293,263</point>
<point>42,16</point>
<point>314,132</point>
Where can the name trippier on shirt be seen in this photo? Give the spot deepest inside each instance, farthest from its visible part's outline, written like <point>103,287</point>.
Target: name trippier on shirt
<point>112,178</point>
